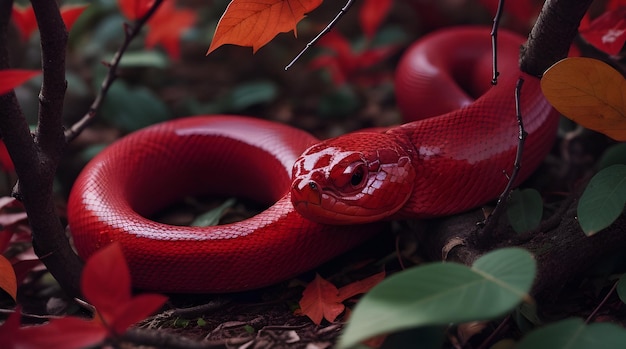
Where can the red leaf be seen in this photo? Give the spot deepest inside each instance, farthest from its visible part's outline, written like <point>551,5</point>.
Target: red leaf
<point>10,328</point>
<point>5,159</point>
<point>134,9</point>
<point>372,14</point>
<point>607,32</point>
<point>63,333</point>
<point>8,281</point>
<point>70,14</point>
<point>106,281</point>
<point>11,78</point>
<point>320,299</point>
<point>136,310</point>
<point>24,20</point>
<point>361,286</point>
<point>166,27</point>
<point>253,23</point>
<point>23,267</point>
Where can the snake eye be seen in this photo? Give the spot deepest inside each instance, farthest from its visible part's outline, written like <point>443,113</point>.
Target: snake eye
<point>357,176</point>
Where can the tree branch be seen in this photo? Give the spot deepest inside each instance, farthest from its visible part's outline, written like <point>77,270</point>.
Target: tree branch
<point>552,35</point>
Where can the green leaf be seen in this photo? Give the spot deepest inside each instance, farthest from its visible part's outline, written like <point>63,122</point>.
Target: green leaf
<point>525,210</point>
<point>443,293</point>
<point>614,155</point>
<point>340,103</point>
<point>212,217</point>
<point>603,200</point>
<point>253,93</point>
<point>153,59</point>
<point>133,108</point>
<point>574,334</point>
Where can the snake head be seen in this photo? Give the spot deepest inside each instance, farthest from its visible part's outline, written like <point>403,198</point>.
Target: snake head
<point>357,178</point>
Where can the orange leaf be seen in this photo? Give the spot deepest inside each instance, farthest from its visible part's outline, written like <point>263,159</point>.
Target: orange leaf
<point>8,281</point>
<point>254,23</point>
<point>166,27</point>
<point>11,78</point>
<point>360,286</point>
<point>590,92</point>
<point>320,299</point>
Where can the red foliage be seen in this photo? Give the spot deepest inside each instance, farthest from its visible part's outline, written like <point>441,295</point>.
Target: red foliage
<point>106,284</point>
<point>607,32</point>
<point>11,78</point>
<point>345,64</point>
<point>166,27</point>
<point>322,300</point>
<point>24,18</point>
<point>372,14</point>
<point>134,9</point>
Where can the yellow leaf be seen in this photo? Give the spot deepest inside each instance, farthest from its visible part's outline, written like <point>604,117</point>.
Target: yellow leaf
<point>8,282</point>
<point>589,92</point>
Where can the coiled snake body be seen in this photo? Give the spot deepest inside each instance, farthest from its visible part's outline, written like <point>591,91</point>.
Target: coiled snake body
<point>452,160</point>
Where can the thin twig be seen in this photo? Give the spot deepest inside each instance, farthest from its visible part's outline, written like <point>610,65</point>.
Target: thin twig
<point>130,32</point>
<point>330,25</point>
<point>493,334</point>
<point>604,300</point>
<point>494,217</point>
<point>494,42</point>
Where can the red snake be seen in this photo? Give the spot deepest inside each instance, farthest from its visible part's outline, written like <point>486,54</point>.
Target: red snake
<point>453,160</point>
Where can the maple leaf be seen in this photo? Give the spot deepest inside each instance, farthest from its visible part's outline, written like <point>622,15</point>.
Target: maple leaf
<point>106,284</point>
<point>322,300</point>
<point>167,25</point>
<point>26,23</point>
<point>253,23</point>
<point>607,32</point>
<point>134,9</point>
<point>372,14</point>
<point>11,78</point>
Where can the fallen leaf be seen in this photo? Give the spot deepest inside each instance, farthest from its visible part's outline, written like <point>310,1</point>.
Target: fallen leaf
<point>320,299</point>
<point>62,333</point>
<point>253,23</point>
<point>167,26</point>
<point>134,9</point>
<point>8,281</point>
<point>9,329</point>
<point>590,92</point>
<point>361,286</point>
<point>372,14</point>
<point>11,78</point>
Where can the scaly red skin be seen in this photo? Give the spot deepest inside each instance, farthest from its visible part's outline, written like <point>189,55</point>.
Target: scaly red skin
<point>221,155</point>
<point>146,171</point>
<point>459,159</point>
